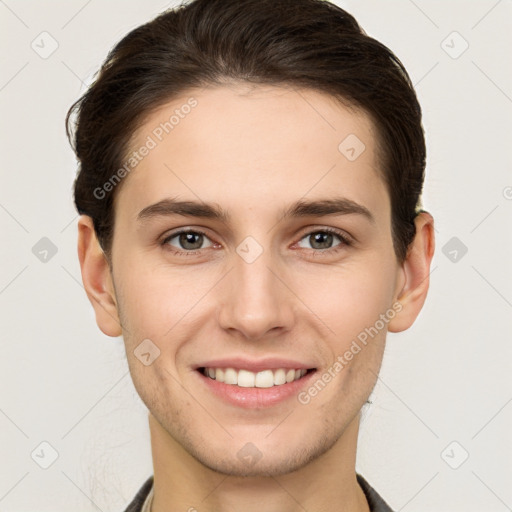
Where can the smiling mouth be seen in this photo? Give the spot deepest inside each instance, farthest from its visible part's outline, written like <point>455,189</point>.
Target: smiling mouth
<point>247,379</point>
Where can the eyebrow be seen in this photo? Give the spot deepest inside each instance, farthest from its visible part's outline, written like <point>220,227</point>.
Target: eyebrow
<point>300,208</point>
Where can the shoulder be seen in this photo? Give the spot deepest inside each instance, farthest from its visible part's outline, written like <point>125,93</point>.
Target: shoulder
<point>138,501</point>
<point>377,504</point>
<point>375,501</point>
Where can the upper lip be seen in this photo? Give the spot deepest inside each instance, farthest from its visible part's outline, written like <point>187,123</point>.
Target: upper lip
<point>241,363</point>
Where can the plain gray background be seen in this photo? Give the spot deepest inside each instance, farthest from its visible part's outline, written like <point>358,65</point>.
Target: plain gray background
<point>437,436</point>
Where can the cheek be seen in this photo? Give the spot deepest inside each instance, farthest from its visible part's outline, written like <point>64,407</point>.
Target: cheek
<point>155,299</point>
<point>351,299</point>
<point>352,307</point>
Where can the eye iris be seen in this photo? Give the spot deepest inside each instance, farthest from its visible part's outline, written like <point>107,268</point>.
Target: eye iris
<point>188,238</point>
<point>324,239</point>
<point>193,241</point>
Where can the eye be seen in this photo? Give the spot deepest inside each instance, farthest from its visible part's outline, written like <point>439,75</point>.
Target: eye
<point>189,240</point>
<point>321,240</point>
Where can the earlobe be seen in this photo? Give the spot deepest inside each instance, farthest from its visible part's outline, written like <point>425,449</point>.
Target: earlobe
<point>416,270</point>
<point>97,278</point>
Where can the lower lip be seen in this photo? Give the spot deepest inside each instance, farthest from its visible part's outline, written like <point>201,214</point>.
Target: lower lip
<point>255,398</point>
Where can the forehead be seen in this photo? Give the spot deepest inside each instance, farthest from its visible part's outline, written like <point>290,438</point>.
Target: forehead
<point>254,147</point>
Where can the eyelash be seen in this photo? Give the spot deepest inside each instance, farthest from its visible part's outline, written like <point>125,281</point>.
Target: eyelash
<point>346,241</point>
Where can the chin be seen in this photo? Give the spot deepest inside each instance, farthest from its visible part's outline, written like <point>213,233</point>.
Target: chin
<point>258,460</point>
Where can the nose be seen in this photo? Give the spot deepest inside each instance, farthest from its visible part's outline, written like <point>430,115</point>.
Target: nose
<point>256,300</point>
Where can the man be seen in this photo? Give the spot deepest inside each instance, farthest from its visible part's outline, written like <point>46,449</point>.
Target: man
<point>249,186</point>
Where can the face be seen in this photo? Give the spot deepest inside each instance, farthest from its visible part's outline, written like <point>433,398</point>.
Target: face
<point>255,277</point>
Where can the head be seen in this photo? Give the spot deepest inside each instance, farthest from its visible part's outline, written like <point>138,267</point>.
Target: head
<point>263,113</point>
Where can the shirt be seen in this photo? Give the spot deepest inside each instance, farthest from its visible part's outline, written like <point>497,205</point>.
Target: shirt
<point>142,500</point>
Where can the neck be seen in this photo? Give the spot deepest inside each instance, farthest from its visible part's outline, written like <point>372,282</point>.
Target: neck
<point>327,483</point>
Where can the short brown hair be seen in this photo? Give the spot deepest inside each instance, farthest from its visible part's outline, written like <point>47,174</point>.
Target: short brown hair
<point>304,43</point>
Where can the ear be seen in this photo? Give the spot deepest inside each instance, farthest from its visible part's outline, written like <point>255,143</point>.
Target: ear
<point>415,274</point>
<point>97,278</point>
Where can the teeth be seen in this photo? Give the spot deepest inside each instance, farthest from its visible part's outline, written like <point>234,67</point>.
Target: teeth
<point>230,376</point>
<point>264,379</point>
<point>279,377</point>
<point>247,379</point>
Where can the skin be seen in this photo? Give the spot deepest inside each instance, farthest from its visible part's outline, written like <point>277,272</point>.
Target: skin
<point>254,151</point>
